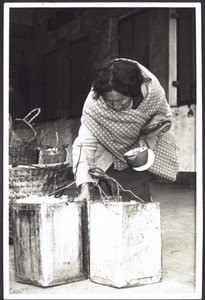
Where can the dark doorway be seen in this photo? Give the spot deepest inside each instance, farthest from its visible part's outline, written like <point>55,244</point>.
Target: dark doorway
<point>186,62</point>
<point>80,75</point>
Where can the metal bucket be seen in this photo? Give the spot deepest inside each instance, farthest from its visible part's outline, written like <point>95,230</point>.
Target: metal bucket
<point>125,243</point>
<point>49,241</point>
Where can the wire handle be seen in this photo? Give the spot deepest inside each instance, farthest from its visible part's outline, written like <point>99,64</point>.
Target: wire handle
<point>22,128</point>
<point>98,173</point>
<point>26,118</point>
<point>56,136</point>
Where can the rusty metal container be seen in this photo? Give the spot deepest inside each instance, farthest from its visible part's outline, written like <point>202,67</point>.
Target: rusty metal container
<point>125,243</point>
<point>48,240</point>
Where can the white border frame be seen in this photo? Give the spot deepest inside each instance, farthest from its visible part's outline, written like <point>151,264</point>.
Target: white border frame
<point>199,154</point>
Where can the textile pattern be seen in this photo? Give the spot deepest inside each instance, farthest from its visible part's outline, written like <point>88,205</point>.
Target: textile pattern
<point>119,132</point>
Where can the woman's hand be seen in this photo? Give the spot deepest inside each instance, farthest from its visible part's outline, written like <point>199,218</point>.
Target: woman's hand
<point>84,193</point>
<point>151,142</point>
<point>151,133</point>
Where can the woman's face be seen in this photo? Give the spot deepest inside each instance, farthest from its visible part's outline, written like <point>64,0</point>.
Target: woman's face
<point>117,101</point>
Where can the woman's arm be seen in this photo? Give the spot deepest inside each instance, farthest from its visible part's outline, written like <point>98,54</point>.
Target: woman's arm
<point>83,154</point>
<point>160,121</point>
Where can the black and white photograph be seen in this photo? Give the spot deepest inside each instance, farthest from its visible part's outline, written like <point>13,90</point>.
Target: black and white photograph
<point>102,150</point>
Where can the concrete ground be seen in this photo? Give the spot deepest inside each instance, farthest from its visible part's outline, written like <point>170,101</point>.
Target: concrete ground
<point>178,256</point>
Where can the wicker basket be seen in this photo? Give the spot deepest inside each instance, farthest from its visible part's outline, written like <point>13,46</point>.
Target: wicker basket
<point>37,179</point>
<point>24,154</point>
<point>51,154</point>
<point>22,140</point>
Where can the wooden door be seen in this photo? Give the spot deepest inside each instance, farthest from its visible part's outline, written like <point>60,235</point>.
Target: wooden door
<point>54,83</point>
<point>80,75</point>
<point>134,37</point>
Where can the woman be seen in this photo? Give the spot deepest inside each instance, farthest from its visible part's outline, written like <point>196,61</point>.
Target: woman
<point>125,108</point>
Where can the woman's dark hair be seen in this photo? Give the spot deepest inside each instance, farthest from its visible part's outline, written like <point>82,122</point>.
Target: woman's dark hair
<point>123,76</point>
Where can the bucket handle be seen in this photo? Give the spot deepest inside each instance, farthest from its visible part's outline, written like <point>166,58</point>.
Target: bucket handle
<point>26,118</point>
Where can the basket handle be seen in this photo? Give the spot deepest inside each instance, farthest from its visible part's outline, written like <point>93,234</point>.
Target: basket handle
<point>38,110</point>
<point>56,134</point>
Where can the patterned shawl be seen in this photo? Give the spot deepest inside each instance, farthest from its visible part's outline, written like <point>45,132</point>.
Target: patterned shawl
<point>119,132</point>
